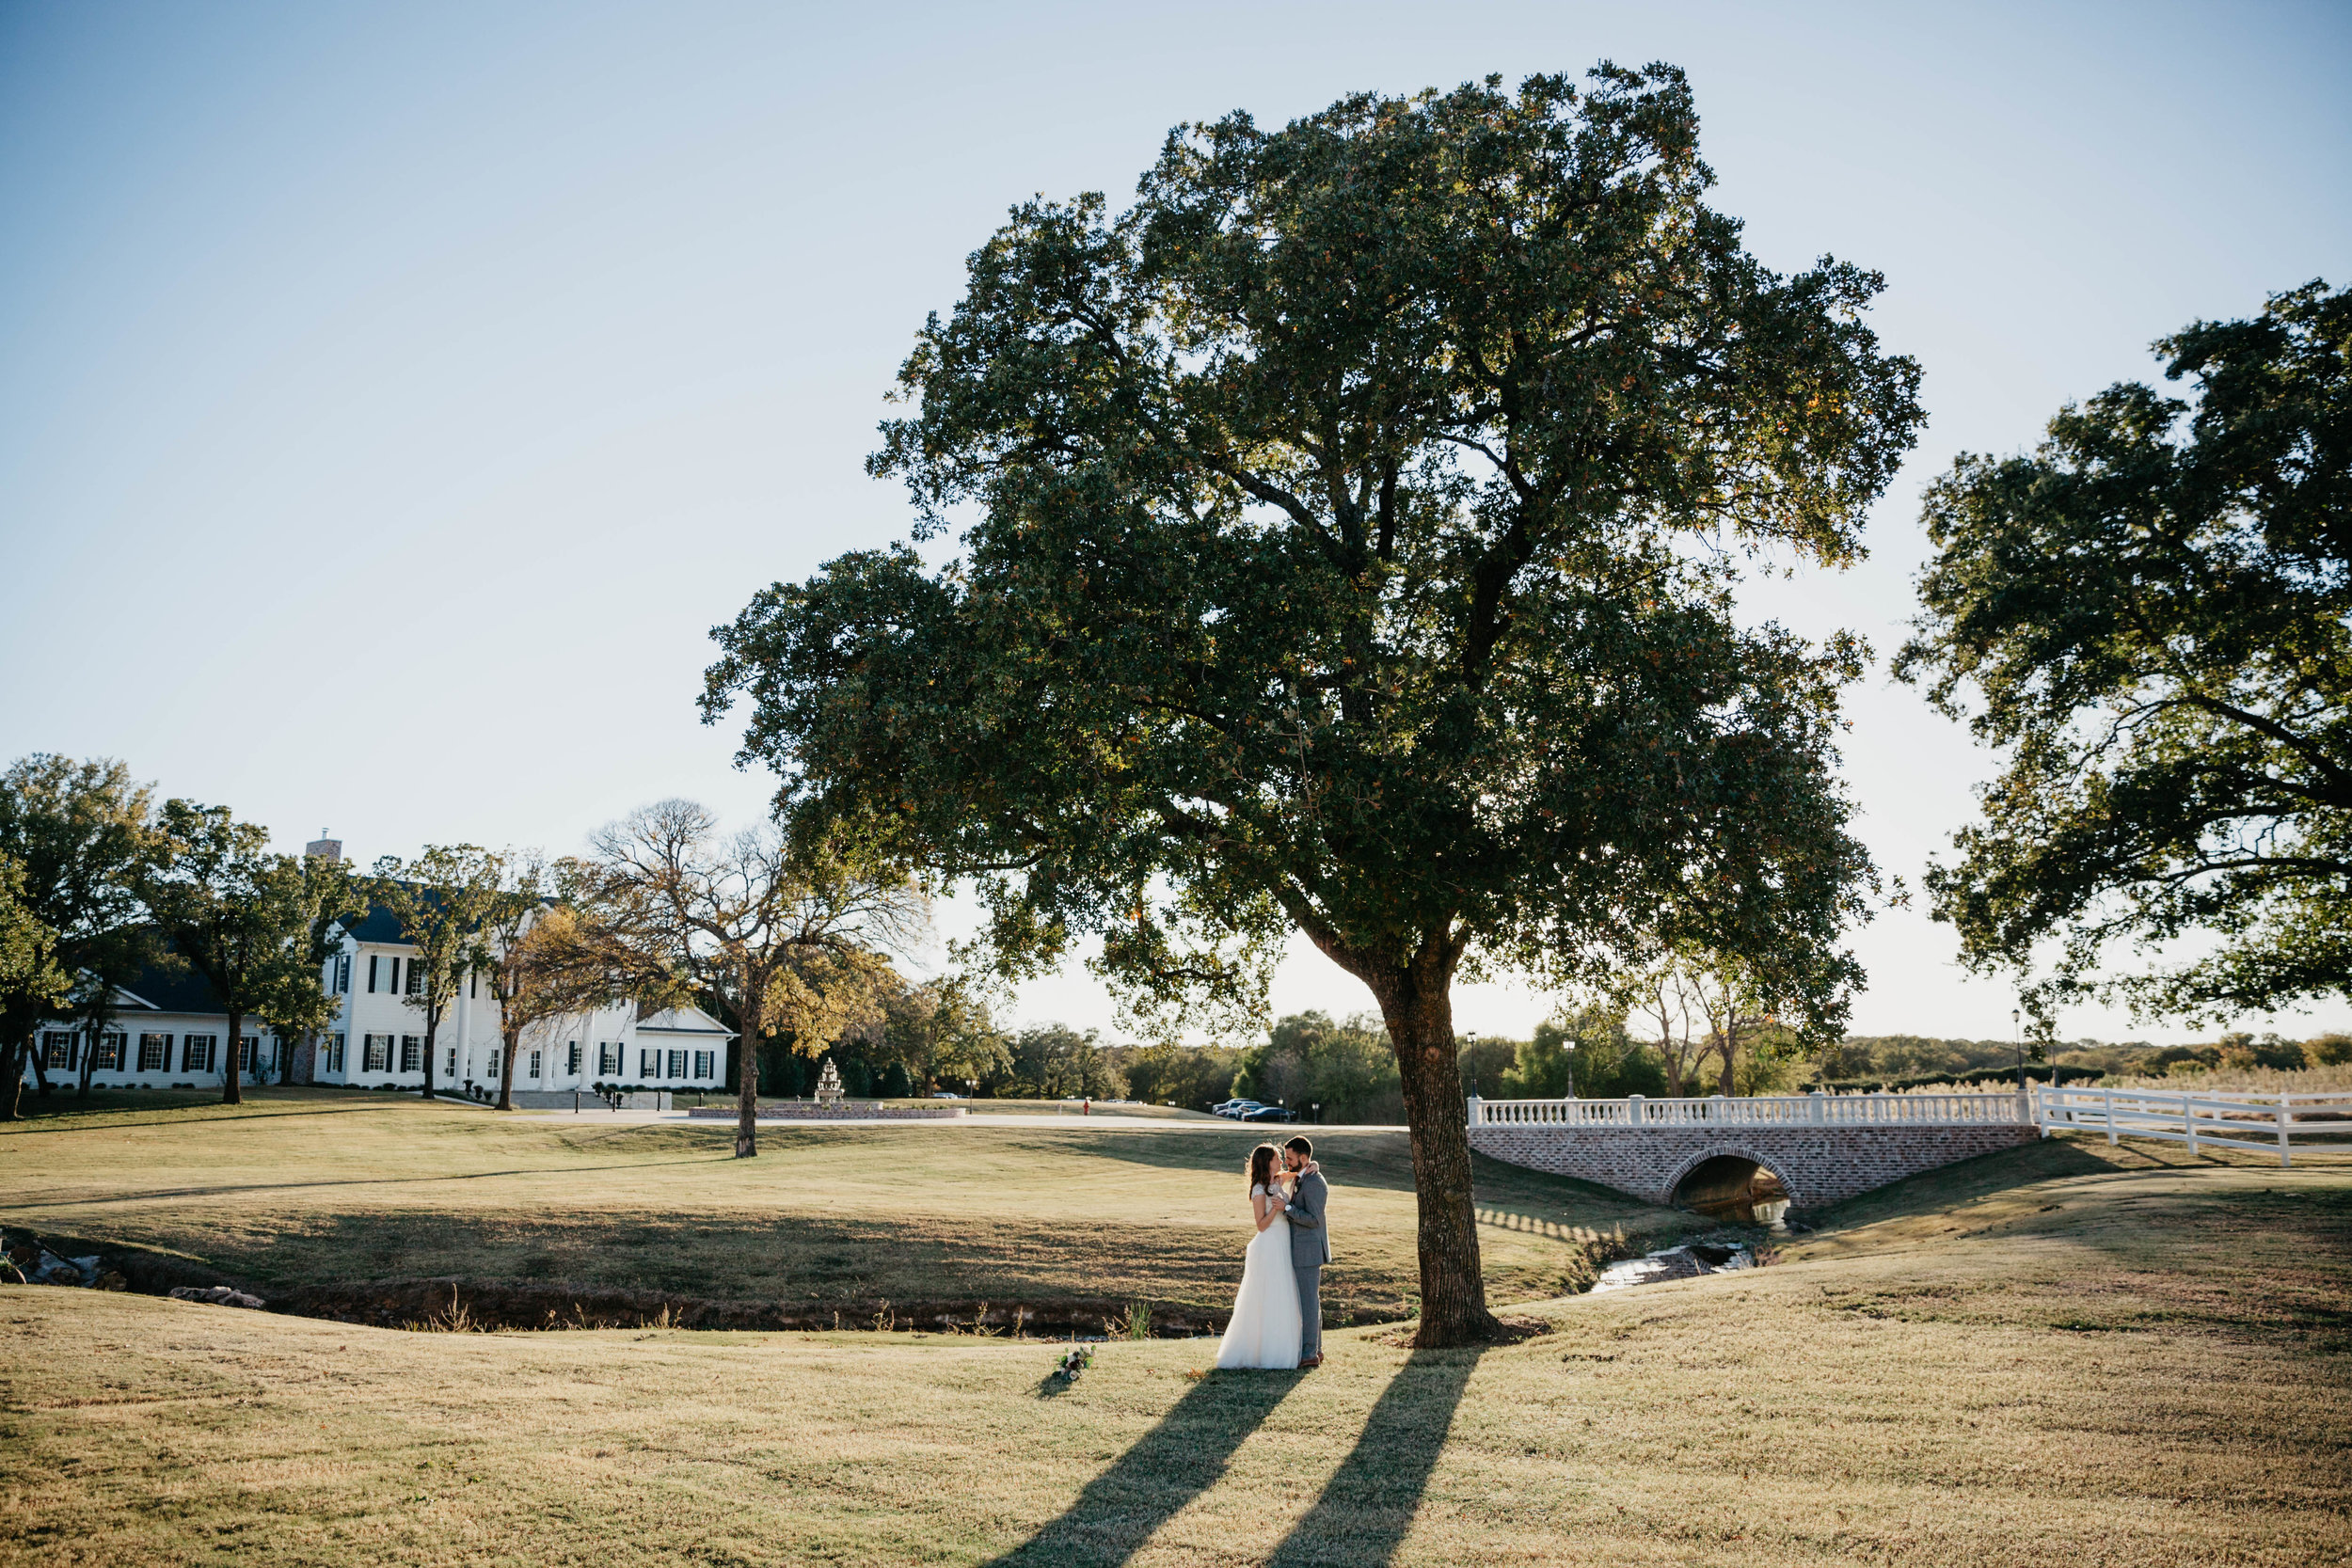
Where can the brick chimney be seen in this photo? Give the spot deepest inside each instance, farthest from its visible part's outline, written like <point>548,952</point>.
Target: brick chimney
<point>324,848</point>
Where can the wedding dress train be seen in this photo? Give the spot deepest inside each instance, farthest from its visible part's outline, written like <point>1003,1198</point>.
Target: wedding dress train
<point>1265,1328</point>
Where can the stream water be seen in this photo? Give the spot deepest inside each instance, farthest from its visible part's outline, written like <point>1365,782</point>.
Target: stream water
<point>1686,1261</point>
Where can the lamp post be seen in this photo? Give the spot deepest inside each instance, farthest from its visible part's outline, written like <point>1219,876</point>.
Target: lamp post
<point>2017,1033</point>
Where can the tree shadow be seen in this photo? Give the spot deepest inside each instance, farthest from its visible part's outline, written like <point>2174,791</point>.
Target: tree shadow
<point>1173,1463</point>
<point>1370,1501</point>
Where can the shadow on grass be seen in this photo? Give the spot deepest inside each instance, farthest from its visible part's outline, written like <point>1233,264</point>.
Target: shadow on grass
<point>1174,1462</point>
<point>1359,1521</point>
<point>1369,1504</point>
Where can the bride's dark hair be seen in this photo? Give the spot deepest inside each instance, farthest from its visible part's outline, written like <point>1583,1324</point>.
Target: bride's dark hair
<point>1261,1165</point>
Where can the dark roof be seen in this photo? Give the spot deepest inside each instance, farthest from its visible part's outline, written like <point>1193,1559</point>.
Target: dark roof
<point>378,925</point>
<point>175,986</point>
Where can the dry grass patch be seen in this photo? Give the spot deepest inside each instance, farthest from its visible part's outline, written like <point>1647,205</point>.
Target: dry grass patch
<point>2100,1367</point>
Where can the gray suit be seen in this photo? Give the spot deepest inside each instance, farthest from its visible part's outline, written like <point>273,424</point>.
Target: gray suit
<point>1310,1249</point>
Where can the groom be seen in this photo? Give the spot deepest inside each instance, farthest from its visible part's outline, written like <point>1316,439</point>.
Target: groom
<point>1310,1244</point>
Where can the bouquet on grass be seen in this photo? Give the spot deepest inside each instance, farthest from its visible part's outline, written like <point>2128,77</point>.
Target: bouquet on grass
<point>1077,1361</point>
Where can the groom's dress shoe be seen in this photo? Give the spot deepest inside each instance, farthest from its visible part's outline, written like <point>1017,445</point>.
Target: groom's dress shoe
<point>1311,1361</point>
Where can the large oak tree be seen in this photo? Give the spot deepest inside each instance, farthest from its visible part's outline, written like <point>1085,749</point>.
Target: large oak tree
<point>2150,614</point>
<point>1349,530</point>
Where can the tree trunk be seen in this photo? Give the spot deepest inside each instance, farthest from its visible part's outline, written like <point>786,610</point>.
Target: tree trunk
<point>12,1095</point>
<point>90,1057</point>
<point>40,1069</point>
<point>747,1097</point>
<point>511,1048</point>
<point>1417,1004</point>
<point>231,1093</point>
<point>1731,1052</point>
<point>432,1030</point>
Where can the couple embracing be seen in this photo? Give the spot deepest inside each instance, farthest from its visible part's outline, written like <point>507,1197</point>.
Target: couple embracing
<point>1277,1314</point>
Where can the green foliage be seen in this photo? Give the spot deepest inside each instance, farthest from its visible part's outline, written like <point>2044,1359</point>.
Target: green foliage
<point>1544,1067</point>
<point>80,832</point>
<point>32,982</point>
<point>241,916</point>
<point>1053,1061</point>
<point>1194,1077</point>
<point>1348,1068</point>
<point>2150,616</point>
<point>1326,559</point>
<point>2327,1051</point>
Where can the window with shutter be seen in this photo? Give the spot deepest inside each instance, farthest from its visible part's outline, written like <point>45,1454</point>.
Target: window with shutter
<point>677,1063</point>
<point>154,1052</point>
<point>571,1058</point>
<point>648,1064</point>
<point>412,1053</point>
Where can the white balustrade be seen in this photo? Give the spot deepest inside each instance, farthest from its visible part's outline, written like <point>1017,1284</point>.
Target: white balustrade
<point>1763,1110</point>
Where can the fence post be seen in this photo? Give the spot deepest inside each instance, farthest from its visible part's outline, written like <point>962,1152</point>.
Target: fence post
<point>2284,1158</point>
<point>1477,1110</point>
<point>1634,1110</point>
<point>2110,1115</point>
<point>1819,1107</point>
<point>2188,1122</point>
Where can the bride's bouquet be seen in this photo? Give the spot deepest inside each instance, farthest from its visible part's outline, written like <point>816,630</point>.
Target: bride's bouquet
<point>1075,1362</point>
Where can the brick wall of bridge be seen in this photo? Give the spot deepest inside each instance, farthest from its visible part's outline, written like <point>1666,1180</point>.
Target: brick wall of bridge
<point>1819,1166</point>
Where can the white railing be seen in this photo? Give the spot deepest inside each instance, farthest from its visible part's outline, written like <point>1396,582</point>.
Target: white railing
<point>1764,1110</point>
<point>2263,1123</point>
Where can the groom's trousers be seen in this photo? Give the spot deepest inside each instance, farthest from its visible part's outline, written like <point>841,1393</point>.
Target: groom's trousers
<point>1310,1309</point>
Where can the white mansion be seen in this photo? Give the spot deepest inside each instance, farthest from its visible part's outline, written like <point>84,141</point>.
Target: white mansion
<point>170,1034</point>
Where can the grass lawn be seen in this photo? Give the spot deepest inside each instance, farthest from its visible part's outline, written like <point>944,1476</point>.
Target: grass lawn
<point>310,1187</point>
<point>2064,1356</point>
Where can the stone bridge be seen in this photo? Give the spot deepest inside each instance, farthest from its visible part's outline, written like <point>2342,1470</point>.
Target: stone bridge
<point>1823,1149</point>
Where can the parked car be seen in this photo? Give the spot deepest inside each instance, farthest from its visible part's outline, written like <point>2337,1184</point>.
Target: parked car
<point>946,1094</point>
<point>1234,1108</point>
<point>1268,1113</point>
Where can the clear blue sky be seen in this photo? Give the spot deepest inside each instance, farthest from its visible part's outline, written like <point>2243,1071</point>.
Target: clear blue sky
<point>392,396</point>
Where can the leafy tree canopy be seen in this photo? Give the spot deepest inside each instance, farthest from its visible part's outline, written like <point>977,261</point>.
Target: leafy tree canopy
<point>2151,615</point>
<point>1349,530</point>
<point>242,916</point>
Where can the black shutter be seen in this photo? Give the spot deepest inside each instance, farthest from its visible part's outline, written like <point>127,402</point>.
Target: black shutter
<point>371,974</point>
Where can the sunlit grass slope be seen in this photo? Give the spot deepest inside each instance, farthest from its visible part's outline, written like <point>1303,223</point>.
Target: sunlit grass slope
<point>312,1187</point>
<point>2074,1359</point>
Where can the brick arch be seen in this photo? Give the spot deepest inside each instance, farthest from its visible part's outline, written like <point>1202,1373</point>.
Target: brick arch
<point>1779,1164</point>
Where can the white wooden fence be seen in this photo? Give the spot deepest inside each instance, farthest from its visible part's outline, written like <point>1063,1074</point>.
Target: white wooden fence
<point>2259,1123</point>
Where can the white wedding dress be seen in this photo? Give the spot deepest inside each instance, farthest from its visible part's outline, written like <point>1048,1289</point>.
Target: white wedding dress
<point>1266,1327</point>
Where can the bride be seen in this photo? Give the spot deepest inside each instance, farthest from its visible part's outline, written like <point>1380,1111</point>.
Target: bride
<point>1266,1327</point>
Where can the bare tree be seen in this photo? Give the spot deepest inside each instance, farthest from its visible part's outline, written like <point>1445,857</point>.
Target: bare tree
<point>543,964</point>
<point>790,936</point>
<point>1669,995</point>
